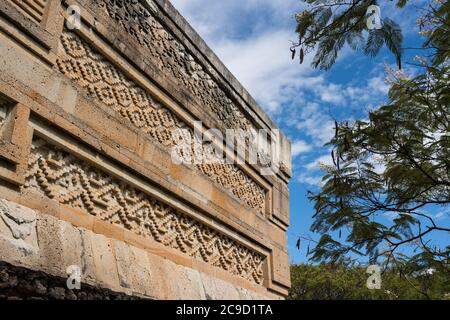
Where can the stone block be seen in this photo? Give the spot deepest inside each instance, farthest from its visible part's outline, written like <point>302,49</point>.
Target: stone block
<point>104,261</point>
<point>109,230</point>
<point>18,234</point>
<point>50,246</point>
<point>142,278</point>
<point>71,245</point>
<point>77,217</point>
<point>123,259</point>
<point>88,270</point>
<point>226,291</point>
<point>209,286</point>
<point>280,267</point>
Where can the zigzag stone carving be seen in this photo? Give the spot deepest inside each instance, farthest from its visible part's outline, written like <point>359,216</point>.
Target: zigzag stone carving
<point>110,86</point>
<point>65,178</point>
<point>175,60</point>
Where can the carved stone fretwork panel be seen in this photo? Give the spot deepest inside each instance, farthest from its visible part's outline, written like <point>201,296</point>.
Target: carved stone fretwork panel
<point>172,58</point>
<point>109,85</point>
<point>35,9</point>
<point>65,178</point>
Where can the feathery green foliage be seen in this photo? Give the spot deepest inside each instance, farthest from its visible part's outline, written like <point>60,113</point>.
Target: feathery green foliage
<point>343,282</point>
<point>391,171</point>
<point>330,24</point>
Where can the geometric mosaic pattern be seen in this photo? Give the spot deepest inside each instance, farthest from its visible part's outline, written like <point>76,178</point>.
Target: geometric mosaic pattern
<point>172,58</point>
<point>105,82</point>
<point>65,178</point>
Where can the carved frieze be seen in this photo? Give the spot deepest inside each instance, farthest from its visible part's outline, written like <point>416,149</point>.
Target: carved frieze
<point>105,82</point>
<point>67,179</point>
<point>173,58</point>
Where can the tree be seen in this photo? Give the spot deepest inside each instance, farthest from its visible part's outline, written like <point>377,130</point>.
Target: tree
<point>391,171</point>
<point>343,282</point>
<point>331,24</point>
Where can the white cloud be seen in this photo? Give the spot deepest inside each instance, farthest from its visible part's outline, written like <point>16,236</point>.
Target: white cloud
<point>324,159</point>
<point>311,173</point>
<point>300,146</point>
<point>378,84</point>
<point>442,215</point>
<point>313,180</point>
<point>263,66</point>
<point>218,19</point>
<point>331,93</point>
<point>315,123</point>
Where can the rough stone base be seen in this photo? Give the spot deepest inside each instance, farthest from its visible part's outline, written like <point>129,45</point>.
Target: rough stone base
<point>17,283</point>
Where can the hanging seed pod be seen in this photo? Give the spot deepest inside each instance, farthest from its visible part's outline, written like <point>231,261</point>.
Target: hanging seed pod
<point>302,55</point>
<point>399,62</point>
<point>293,51</point>
<point>336,129</point>
<point>346,144</point>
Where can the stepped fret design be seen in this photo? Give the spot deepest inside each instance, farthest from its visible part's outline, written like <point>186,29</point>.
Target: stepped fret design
<point>110,86</point>
<point>172,58</point>
<point>63,177</point>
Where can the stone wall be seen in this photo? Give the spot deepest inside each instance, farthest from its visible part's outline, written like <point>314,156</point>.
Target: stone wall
<point>18,283</point>
<point>86,174</point>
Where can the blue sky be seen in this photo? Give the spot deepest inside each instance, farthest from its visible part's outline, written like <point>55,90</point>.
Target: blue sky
<point>252,38</point>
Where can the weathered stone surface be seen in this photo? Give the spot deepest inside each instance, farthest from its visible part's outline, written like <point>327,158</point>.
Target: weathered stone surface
<point>18,226</point>
<point>110,264</point>
<point>226,290</point>
<point>104,261</point>
<point>82,64</point>
<point>35,9</point>
<point>189,284</point>
<point>86,177</point>
<point>37,285</point>
<point>63,177</point>
<point>141,275</point>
